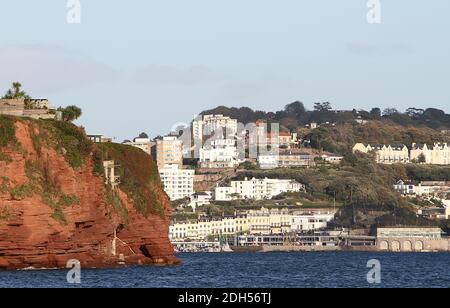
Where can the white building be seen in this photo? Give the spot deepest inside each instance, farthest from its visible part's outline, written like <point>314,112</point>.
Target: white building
<point>301,222</point>
<point>256,189</point>
<point>269,161</point>
<point>432,188</point>
<point>385,154</point>
<point>208,124</point>
<point>437,154</point>
<point>405,188</point>
<point>255,222</point>
<point>178,183</point>
<point>200,199</point>
<point>423,189</point>
<point>219,153</point>
<point>332,158</point>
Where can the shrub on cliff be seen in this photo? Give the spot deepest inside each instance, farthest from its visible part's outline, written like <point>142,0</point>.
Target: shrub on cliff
<point>67,138</point>
<point>139,176</point>
<point>21,192</point>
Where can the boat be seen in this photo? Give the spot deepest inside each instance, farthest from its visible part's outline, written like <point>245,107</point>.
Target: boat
<point>225,248</point>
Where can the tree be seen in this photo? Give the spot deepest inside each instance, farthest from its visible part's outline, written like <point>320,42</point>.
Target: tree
<point>70,113</point>
<point>296,109</point>
<point>421,159</point>
<point>375,113</point>
<point>143,136</point>
<point>390,112</point>
<point>16,92</point>
<point>326,106</point>
<point>414,113</point>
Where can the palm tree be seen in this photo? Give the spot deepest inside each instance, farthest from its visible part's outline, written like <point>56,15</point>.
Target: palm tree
<point>70,113</point>
<point>16,92</point>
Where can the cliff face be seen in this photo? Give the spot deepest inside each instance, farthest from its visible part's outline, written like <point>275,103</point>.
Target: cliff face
<point>55,206</point>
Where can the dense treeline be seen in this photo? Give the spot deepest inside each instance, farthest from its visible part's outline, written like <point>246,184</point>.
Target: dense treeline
<point>339,131</point>
<point>295,115</point>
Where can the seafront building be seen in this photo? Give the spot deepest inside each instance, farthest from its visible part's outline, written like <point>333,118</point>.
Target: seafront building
<point>256,189</point>
<point>418,239</point>
<point>169,151</point>
<point>253,222</point>
<point>178,183</point>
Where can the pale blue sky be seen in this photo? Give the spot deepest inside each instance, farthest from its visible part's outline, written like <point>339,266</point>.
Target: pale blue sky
<point>143,65</point>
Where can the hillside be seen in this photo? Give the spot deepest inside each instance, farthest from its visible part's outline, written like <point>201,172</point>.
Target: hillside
<point>55,205</point>
<point>342,137</point>
<point>362,187</point>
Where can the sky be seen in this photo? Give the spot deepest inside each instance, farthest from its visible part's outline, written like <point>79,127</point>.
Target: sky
<point>146,65</point>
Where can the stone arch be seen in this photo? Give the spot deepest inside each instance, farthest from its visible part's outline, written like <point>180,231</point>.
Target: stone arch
<point>418,246</point>
<point>395,246</point>
<point>407,246</point>
<point>384,245</point>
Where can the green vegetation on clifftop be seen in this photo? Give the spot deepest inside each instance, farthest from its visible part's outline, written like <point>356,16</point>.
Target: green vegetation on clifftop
<point>139,176</point>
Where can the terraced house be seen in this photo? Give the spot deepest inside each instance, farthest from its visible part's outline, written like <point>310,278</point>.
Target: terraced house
<point>385,154</point>
<point>437,154</point>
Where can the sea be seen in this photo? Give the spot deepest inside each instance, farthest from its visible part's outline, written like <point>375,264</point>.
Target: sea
<point>257,270</point>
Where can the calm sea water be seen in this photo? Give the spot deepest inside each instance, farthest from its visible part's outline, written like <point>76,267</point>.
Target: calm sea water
<point>259,270</point>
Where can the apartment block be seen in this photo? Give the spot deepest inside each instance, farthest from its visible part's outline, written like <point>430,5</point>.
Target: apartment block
<point>169,151</point>
<point>206,125</point>
<point>178,183</point>
<point>256,189</point>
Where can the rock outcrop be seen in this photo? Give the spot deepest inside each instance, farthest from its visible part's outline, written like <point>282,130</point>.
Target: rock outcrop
<point>52,212</point>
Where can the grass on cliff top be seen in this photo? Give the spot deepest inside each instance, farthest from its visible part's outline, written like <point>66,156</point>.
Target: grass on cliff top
<point>65,137</point>
<point>139,176</point>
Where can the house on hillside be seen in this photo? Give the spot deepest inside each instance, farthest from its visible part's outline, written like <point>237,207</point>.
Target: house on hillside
<point>385,154</point>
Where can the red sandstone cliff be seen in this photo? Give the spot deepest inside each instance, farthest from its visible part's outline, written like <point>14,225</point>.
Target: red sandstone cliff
<point>31,237</point>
